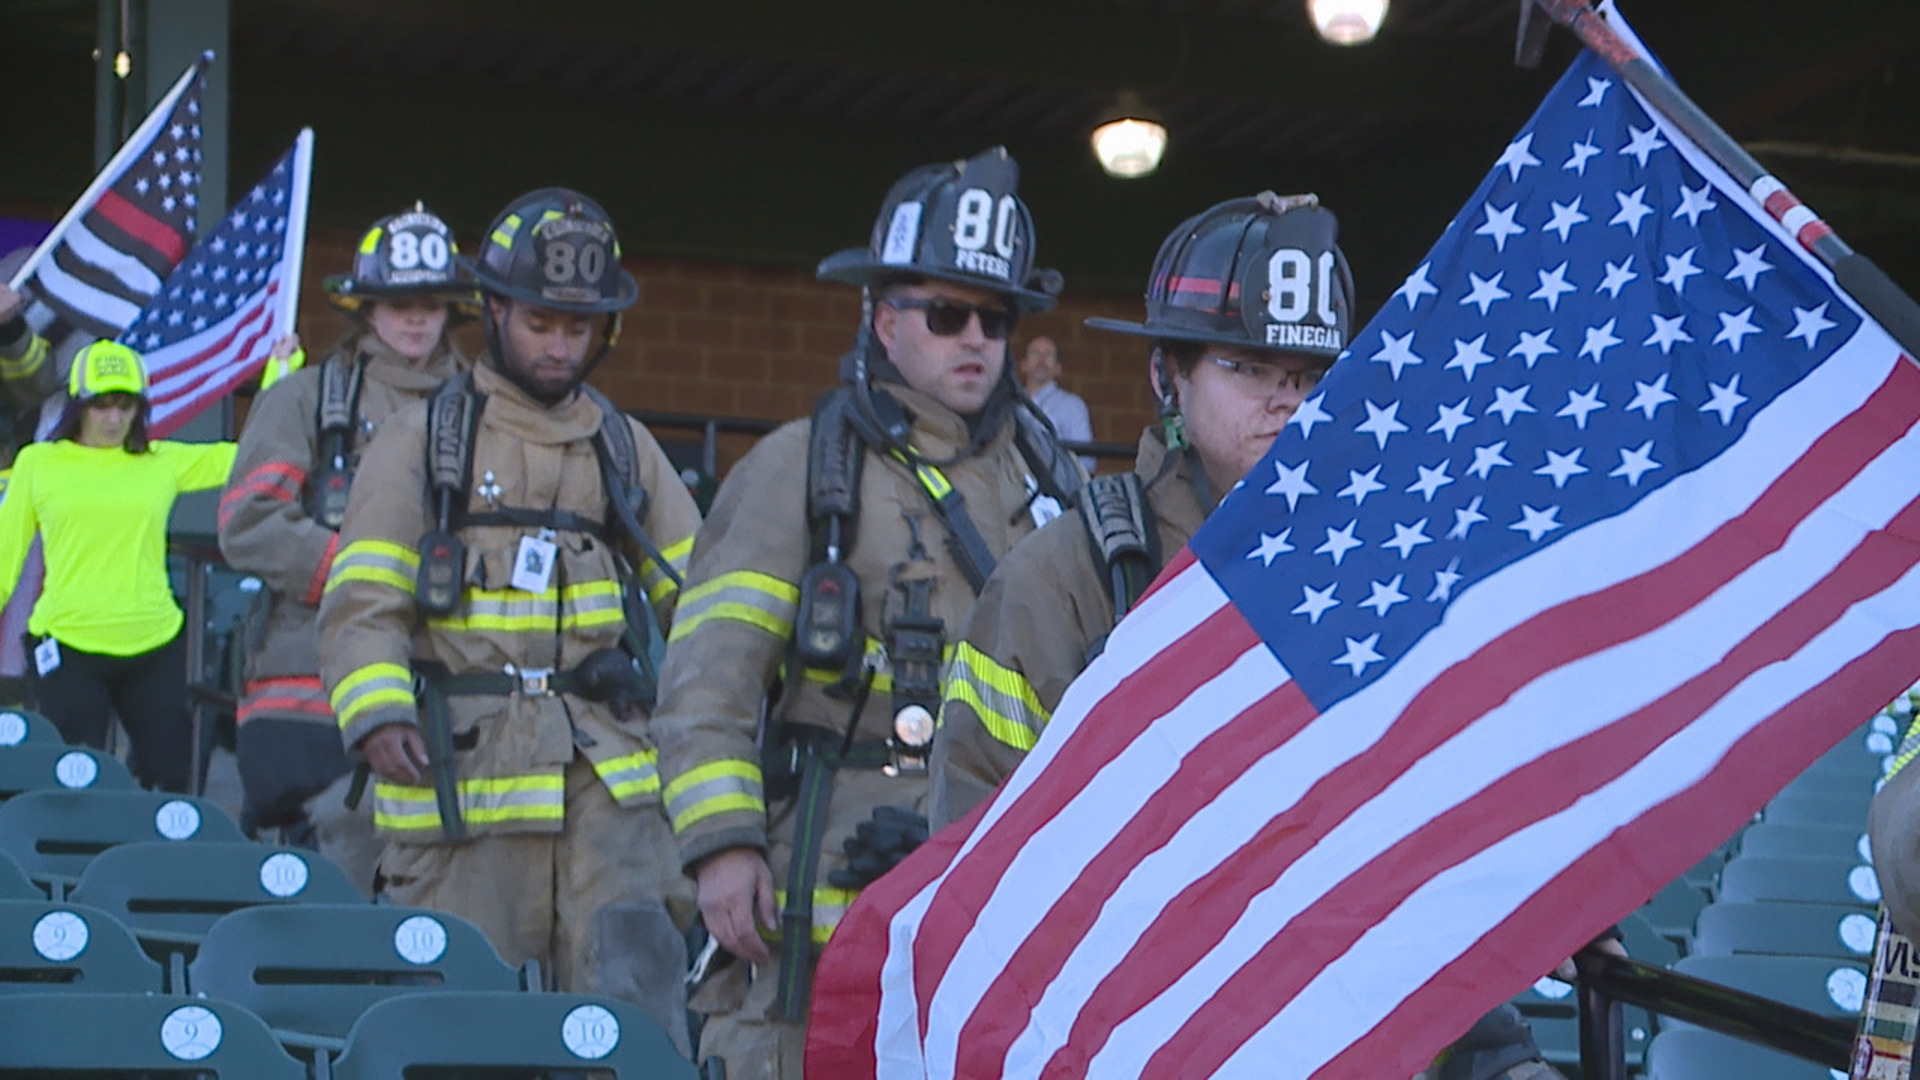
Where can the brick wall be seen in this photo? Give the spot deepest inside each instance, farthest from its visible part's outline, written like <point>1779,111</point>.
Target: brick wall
<point>762,342</point>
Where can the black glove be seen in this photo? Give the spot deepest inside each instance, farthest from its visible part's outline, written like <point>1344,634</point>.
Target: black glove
<point>879,845</point>
<point>613,678</point>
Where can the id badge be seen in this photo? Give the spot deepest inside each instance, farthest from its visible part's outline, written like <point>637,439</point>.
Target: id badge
<point>533,564</point>
<point>46,656</point>
<point>1044,508</point>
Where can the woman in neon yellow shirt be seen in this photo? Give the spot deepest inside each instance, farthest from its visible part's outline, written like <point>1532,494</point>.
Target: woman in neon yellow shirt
<point>105,634</point>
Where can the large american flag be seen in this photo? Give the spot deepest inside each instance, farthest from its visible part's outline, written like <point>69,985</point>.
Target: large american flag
<point>1606,527</point>
<point>108,256</point>
<point>220,312</point>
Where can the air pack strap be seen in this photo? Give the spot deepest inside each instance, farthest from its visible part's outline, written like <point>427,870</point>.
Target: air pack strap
<point>1114,510</point>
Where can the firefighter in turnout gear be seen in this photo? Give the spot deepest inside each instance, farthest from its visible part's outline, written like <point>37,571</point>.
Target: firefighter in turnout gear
<point>1224,394</point>
<point>838,562</point>
<point>1248,305</point>
<point>491,625</point>
<point>280,518</point>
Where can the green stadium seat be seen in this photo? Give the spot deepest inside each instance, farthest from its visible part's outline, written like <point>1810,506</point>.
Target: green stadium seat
<point>54,834</point>
<point>438,1033</point>
<point>311,970</point>
<point>1646,944</point>
<point>49,946</point>
<point>44,766</point>
<point>1773,929</point>
<point>1799,881</point>
<point>170,896</point>
<point>21,726</point>
<point>1689,1053</point>
<point>1805,841</point>
<point>1819,807</point>
<point>15,884</point>
<point>1814,983</point>
<point>1673,909</point>
<point>47,1036</point>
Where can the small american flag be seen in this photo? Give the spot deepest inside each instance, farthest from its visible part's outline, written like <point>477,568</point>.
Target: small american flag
<point>212,324</point>
<point>107,258</point>
<point>1606,527</point>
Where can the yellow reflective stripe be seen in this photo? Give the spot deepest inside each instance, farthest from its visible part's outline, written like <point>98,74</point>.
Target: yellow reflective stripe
<point>28,362</point>
<point>588,604</point>
<point>483,801</point>
<point>829,907</point>
<point>369,687</point>
<point>381,561</point>
<point>631,774</point>
<point>718,787</point>
<point>1908,750</point>
<point>931,478</point>
<point>503,235</point>
<point>1002,698</point>
<point>659,586</point>
<point>746,596</point>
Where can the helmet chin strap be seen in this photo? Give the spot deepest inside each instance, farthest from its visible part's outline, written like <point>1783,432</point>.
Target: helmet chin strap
<point>497,356</point>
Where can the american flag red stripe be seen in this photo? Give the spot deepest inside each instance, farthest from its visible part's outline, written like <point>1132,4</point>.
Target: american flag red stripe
<point>1210,867</point>
<point>142,226</point>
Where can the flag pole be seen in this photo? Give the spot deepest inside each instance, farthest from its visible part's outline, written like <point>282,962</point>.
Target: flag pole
<point>1876,293</point>
<point>296,252</point>
<point>115,166</point>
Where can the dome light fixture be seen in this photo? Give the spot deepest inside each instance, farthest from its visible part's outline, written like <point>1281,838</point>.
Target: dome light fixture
<point>1129,140</point>
<point>1347,22</point>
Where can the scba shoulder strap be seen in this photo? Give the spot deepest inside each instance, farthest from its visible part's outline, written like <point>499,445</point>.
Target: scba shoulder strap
<point>335,416</point>
<point>1114,510</point>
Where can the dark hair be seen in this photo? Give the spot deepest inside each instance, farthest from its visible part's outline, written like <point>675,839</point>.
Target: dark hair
<point>69,426</point>
<point>1181,355</point>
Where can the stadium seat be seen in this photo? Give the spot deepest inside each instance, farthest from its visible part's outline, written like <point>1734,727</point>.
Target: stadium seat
<point>1673,909</point>
<point>54,834</point>
<point>1646,944</point>
<point>1799,881</point>
<point>1816,806</point>
<point>1814,983</point>
<point>169,897</point>
<point>1772,929</point>
<point>472,1031</point>
<point>46,1036</point>
<point>39,766</point>
<point>310,970</point>
<point>1690,1053</point>
<point>15,884</point>
<point>1806,841</point>
<point>1861,753</point>
<point>21,726</point>
<point>49,946</point>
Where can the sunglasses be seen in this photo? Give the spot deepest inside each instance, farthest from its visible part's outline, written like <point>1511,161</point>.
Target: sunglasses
<point>946,318</point>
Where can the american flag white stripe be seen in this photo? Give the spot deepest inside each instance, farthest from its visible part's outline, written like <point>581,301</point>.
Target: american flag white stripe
<point>202,369</point>
<point>127,269</point>
<point>96,305</point>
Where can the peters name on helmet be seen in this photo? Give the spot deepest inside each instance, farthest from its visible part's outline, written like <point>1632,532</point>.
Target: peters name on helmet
<point>1298,336</point>
<point>983,262</point>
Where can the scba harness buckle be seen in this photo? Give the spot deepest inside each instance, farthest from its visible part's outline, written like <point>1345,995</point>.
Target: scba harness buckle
<point>533,682</point>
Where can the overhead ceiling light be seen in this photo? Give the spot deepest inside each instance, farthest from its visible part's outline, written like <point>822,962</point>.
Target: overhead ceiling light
<point>1130,141</point>
<point>1347,22</point>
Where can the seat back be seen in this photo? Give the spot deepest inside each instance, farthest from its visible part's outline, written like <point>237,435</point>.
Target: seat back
<point>1815,805</point>
<point>138,1034</point>
<point>1689,1053</point>
<point>1814,983</point>
<point>54,834</point>
<point>313,969</point>
<point>1805,841</point>
<point>1799,881</point>
<point>21,726</point>
<point>507,1030</point>
<point>38,766</point>
<point>1758,928</point>
<point>15,884</point>
<point>172,895</point>
<point>49,946</point>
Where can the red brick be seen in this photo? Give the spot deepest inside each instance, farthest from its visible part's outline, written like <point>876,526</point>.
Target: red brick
<point>770,336</point>
<point>704,330</point>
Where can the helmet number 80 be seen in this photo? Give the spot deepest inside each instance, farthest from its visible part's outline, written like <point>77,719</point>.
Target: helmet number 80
<point>1297,283</point>
<point>564,260</point>
<point>977,218</point>
<point>410,250</point>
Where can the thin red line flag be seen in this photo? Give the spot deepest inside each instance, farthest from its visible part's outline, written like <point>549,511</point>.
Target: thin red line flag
<point>1604,529</point>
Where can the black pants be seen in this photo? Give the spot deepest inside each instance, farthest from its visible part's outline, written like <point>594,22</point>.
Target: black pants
<point>148,690</point>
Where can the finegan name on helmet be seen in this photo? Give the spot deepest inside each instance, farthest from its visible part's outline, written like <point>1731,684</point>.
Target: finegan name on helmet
<point>1298,336</point>
<point>983,262</point>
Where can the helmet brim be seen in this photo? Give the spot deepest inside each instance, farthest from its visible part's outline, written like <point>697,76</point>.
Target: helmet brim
<point>489,285</point>
<point>1198,337</point>
<point>856,266</point>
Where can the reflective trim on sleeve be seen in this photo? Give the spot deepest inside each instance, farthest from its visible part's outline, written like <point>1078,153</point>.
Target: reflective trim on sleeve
<point>631,774</point>
<point>27,364</point>
<point>370,687</point>
<point>718,787</point>
<point>1908,749</point>
<point>746,596</point>
<point>1007,706</point>
<point>382,562</point>
<point>658,584</point>
<point>483,801</point>
<point>829,907</point>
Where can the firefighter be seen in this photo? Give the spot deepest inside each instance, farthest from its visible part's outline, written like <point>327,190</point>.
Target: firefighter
<point>841,555</point>
<point>491,625</point>
<point>280,517</point>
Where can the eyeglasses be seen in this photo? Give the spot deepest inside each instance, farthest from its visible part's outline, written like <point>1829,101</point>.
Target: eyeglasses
<point>1258,379</point>
<point>947,318</point>
<point>113,401</point>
